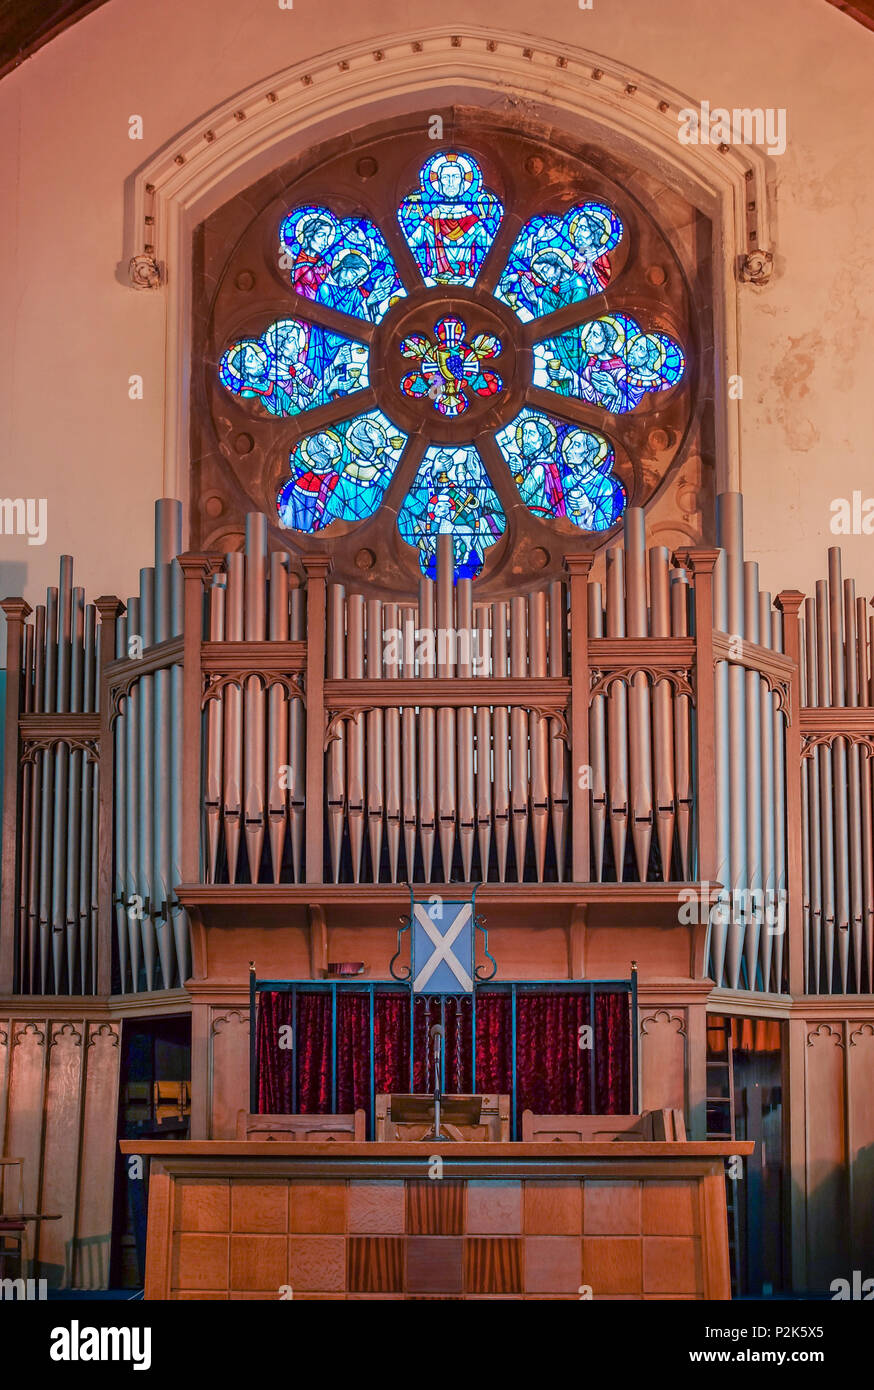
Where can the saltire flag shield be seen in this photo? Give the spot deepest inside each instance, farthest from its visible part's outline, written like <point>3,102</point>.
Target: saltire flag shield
<point>442,950</point>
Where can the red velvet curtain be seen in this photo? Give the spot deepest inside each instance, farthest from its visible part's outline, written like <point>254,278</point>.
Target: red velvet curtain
<point>554,1075</point>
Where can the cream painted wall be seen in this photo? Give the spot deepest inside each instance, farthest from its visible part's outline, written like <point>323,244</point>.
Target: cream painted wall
<point>73,332</point>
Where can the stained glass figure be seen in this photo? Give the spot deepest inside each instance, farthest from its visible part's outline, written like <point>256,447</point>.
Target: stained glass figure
<point>610,362</point>
<point>559,260</point>
<point>451,220</point>
<point>562,469</point>
<point>294,366</point>
<point>340,473</point>
<point>343,263</point>
<point>451,493</point>
<point>450,366</point>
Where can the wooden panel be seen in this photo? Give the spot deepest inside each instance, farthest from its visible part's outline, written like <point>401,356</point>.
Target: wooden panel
<point>860,1098</point>
<point>375,1264</point>
<point>230,1069</point>
<point>61,1150</point>
<point>827,1253</point>
<point>493,1264</point>
<point>246,1223</point>
<point>5,1055</point>
<point>97,1170</point>
<point>24,1130</point>
<point>435,1208</point>
<point>663,1060</point>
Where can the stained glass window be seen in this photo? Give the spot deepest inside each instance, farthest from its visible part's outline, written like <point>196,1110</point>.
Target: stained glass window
<point>562,469</point>
<point>451,366</point>
<point>342,263</point>
<point>340,473</point>
<point>451,220</point>
<point>559,260</point>
<point>452,493</point>
<point>610,361</point>
<point>294,366</point>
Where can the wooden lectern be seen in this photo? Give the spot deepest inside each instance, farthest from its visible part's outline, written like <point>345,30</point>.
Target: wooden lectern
<point>468,1119</point>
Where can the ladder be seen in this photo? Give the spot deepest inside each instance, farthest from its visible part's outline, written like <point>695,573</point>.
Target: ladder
<point>721,1123</point>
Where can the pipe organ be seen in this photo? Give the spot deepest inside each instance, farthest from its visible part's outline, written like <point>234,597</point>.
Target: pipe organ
<point>721,736</point>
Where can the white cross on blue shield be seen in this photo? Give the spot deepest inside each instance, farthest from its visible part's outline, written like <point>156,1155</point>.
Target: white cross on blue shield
<point>442,948</point>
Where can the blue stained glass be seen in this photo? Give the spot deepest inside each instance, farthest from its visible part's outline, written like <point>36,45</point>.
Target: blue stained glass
<point>559,260</point>
<point>451,493</point>
<point>451,220</point>
<point>610,362</point>
<point>340,473</point>
<point>562,469</point>
<point>450,367</point>
<point>294,366</point>
<point>343,263</point>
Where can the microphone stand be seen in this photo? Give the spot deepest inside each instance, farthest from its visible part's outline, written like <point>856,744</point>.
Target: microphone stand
<point>434,1134</point>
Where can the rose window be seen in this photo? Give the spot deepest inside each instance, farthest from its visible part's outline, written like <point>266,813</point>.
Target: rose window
<point>439,369</point>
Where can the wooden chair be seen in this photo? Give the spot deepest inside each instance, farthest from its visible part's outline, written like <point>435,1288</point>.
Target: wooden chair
<point>659,1125</point>
<point>494,1126</point>
<point>580,1129</point>
<point>318,1129</point>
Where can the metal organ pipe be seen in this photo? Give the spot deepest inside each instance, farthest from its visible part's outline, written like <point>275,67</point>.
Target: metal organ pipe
<point>597,745</point>
<point>662,712</point>
<point>559,785</point>
<point>464,640</point>
<point>255,747</point>
<point>392,671</point>
<point>682,742</point>
<point>519,736</point>
<point>427,726</point>
<point>501,741</point>
<point>447,793</point>
<point>375,734</point>
<point>538,732</point>
<point>617,716</point>
<point>640,737</point>
<point>355,737</point>
<point>335,775</point>
<point>232,799</point>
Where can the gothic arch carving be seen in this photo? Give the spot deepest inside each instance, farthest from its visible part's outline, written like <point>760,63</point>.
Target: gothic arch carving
<point>585,94</point>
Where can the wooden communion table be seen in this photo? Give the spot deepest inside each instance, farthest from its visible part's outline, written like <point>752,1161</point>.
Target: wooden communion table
<point>262,1219</point>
